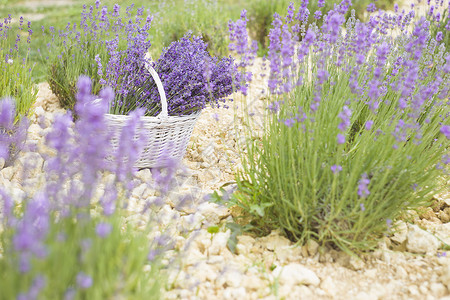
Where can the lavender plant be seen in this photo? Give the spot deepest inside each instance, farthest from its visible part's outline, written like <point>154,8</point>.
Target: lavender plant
<point>16,81</point>
<point>72,237</point>
<point>108,45</point>
<point>439,21</point>
<point>356,128</point>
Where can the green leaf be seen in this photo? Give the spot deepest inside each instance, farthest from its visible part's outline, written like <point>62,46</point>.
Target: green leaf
<point>213,229</point>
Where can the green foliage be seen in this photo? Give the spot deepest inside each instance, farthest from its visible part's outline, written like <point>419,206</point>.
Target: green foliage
<point>16,81</point>
<point>287,180</point>
<point>117,263</point>
<point>67,63</point>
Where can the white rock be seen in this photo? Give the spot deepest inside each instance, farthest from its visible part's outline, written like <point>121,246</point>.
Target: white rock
<point>328,286</point>
<point>219,242</point>
<point>400,233</point>
<point>190,222</point>
<point>17,194</point>
<point>39,111</point>
<point>421,241</point>
<point>145,175</point>
<point>274,240</point>
<point>294,274</point>
<point>232,278</point>
<point>445,277</point>
<point>8,173</point>
<point>204,272</point>
<point>213,212</point>
<point>443,232</point>
<point>312,246</point>
<point>139,190</point>
<point>234,293</point>
<point>252,282</point>
<point>2,162</point>
<point>245,243</point>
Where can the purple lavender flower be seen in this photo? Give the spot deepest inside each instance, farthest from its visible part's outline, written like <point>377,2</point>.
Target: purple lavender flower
<point>84,281</point>
<point>340,139</point>
<point>369,124</point>
<point>371,7</point>
<point>336,169</point>
<point>321,3</point>
<point>322,75</point>
<point>445,130</point>
<point>363,190</point>
<point>318,14</point>
<point>7,113</point>
<point>191,78</point>
<point>439,36</point>
<point>103,229</point>
<point>363,208</point>
<point>289,122</point>
<point>344,115</point>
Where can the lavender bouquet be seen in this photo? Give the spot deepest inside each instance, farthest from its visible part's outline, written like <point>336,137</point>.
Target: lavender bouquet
<point>191,77</point>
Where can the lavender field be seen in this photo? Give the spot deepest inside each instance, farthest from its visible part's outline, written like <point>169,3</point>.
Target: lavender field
<point>318,167</point>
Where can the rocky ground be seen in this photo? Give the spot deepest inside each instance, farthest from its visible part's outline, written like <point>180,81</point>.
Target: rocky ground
<point>411,264</point>
<point>407,265</point>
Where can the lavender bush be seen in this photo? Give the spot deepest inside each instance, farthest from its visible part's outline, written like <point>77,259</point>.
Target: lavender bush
<point>108,45</point>
<point>16,81</point>
<point>438,16</point>
<point>356,130</point>
<point>72,237</point>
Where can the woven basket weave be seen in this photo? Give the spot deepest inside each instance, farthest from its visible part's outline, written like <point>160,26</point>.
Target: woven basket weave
<point>165,136</point>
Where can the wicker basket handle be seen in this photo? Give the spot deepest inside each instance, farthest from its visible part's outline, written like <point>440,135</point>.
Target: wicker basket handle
<point>162,94</point>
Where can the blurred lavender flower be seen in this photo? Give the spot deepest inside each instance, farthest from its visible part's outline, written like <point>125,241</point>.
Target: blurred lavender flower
<point>445,130</point>
<point>7,113</point>
<point>103,229</point>
<point>344,115</point>
<point>369,124</point>
<point>84,281</point>
<point>336,169</point>
<point>363,190</point>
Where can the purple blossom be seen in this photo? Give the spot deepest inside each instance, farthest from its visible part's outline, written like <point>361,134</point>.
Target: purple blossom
<point>363,184</point>
<point>322,75</point>
<point>191,78</point>
<point>7,113</point>
<point>344,115</point>
<point>289,122</point>
<point>103,229</point>
<point>371,7</point>
<point>340,139</point>
<point>318,14</point>
<point>445,130</point>
<point>333,24</point>
<point>336,169</point>
<point>84,281</point>
<point>389,223</point>
<point>363,208</point>
<point>321,3</point>
<point>369,124</point>
<point>439,36</point>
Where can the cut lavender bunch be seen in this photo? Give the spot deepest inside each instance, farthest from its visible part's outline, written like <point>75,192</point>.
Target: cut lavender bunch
<point>191,77</point>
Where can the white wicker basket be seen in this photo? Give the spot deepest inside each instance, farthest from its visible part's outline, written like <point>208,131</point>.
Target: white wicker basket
<point>166,136</point>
